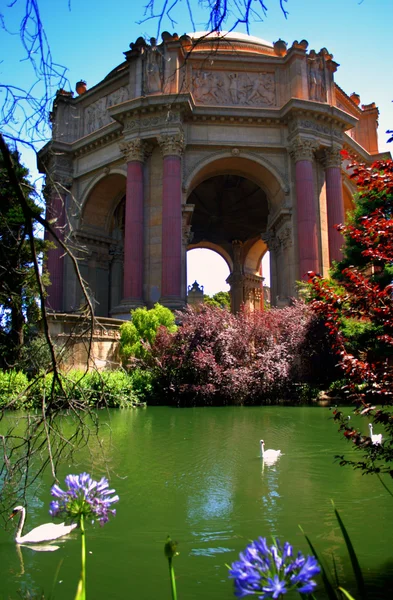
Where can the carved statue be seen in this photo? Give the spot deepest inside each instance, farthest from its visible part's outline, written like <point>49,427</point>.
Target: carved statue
<point>233,87</point>
<point>153,68</point>
<point>317,86</point>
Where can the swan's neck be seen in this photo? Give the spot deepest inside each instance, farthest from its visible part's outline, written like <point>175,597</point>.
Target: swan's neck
<point>21,523</point>
<point>370,428</point>
<point>262,449</point>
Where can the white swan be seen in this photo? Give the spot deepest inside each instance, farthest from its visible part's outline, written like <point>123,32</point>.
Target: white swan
<point>269,455</point>
<point>43,533</point>
<point>376,438</point>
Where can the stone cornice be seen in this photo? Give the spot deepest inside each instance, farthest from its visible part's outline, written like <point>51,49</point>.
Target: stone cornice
<point>145,105</point>
<point>361,154</point>
<point>92,141</point>
<point>97,239</point>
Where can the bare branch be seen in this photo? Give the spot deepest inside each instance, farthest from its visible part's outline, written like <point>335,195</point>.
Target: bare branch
<point>221,14</point>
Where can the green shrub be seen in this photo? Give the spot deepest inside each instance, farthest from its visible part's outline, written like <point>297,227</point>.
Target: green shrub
<point>91,389</point>
<point>139,334</point>
<point>142,384</point>
<point>12,389</point>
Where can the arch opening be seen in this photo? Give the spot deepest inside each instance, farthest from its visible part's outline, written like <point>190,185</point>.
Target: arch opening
<point>230,212</point>
<point>209,269</point>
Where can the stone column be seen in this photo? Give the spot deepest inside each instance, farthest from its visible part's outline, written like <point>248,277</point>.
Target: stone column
<point>56,195</point>
<point>172,147</point>
<point>334,201</point>
<point>236,278</point>
<point>302,151</point>
<point>135,153</point>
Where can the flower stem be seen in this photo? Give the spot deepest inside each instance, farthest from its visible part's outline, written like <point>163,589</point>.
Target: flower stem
<point>172,578</point>
<point>81,591</point>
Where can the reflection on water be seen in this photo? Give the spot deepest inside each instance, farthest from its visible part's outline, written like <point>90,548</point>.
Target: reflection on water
<point>197,475</point>
<point>270,495</point>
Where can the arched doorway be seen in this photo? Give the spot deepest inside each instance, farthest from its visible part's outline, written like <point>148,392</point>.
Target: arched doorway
<point>101,236</point>
<point>234,200</point>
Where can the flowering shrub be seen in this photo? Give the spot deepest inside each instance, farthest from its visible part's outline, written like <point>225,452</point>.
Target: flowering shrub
<point>271,572</point>
<point>215,357</point>
<point>84,498</point>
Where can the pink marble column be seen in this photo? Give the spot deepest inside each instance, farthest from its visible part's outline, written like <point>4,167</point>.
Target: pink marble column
<point>172,148</point>
<point>334,202</point>
<point>55,214</point>
<point>135,153</point>
<point>307,230</point>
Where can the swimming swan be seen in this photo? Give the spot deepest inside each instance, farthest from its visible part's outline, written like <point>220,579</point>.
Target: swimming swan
<point>269,455</point>
<point>43,533</point>
<point>376,438</point>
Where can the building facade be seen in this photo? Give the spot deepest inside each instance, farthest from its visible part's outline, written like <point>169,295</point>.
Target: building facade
<point>224,142</point>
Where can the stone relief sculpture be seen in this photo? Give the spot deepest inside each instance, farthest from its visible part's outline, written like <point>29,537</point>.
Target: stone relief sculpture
<point>210,87</point>
<point>207,87</point>
<point>96,115</point>
<point>316,74</point>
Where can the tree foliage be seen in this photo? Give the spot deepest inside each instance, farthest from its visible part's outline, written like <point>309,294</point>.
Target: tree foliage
<point>219,358</point>
<point>219,299</point>
<point>18,284</point>
<point>358,312</point>
<point>138,335</point>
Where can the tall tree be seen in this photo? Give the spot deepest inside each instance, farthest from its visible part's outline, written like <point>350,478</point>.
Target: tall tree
<point>18,284</point>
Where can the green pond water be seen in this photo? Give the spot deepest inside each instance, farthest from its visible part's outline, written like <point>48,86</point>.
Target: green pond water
<point>197,475</point>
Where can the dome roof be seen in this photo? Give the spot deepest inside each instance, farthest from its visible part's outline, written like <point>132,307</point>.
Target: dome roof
<point>230,36</point>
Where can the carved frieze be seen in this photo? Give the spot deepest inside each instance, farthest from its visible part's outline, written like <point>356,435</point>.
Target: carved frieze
<point>135,150</point>
<point>234,88</point>
<point>96,114</point>
<point>169,117</point>
<point>314,126</point>
<point>172,144</point>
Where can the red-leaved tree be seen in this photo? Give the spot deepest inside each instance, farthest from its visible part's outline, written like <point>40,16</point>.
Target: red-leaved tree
<point>357,307</point>
<point>218,358</point>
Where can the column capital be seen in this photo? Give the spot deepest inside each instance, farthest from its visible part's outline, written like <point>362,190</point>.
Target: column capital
<point>332,157</point>
<point>302,149</point>
<point>135,150</point>
<point>171,144</point>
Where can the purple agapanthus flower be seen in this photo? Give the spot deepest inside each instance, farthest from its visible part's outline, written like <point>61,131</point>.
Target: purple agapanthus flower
<point>271,572</point>
<point>84,497</point>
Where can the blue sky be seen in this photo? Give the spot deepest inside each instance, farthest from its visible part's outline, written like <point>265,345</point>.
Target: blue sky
<point>89,38</point>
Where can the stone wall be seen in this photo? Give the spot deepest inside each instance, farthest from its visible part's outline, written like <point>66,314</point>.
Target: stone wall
<point>79,347</point>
